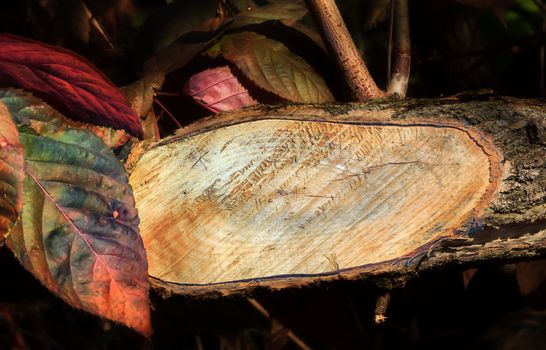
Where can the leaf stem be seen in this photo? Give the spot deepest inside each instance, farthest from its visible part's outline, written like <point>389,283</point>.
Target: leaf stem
<point>168,112</point>
<point>342,48</point>
<point>398,80</point>
<point>389,44</point>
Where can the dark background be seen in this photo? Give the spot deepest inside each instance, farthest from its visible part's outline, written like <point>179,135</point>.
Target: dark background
<point>497,45</point>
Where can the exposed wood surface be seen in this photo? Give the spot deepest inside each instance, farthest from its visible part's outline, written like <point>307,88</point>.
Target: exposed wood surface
<point>512,227</point>
<point>268,198</point>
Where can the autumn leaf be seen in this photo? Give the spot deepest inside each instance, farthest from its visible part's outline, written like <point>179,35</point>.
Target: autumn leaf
<point>311,33</point>
<point>11,173</point>
<point>150,127</point>
<point>218,90</point>
<point>141,93</point>
<point>78,232</point>
<point>289,11</point>
<point>110,137</point>
<point>242,5</point>
<point>273,67</point>
<point>67,81</point>
<point>178,54</point>
<point>54,121</point>
<point>170,22</point>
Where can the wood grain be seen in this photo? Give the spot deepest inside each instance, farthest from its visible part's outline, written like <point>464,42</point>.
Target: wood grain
<point>284,196</point>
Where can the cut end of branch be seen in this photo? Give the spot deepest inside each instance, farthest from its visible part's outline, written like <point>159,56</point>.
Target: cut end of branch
<point>381,306</point>
<point>269,198</point>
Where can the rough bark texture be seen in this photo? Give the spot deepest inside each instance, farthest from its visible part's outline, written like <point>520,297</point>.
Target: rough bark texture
<point>338,40</point>
<point>512,228</point>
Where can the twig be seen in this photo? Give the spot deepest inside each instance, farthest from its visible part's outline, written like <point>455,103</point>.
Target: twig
<point>198,343</point>
<point>18,341</point>
<point>389,44</point>
<point>168,112</point>
<point>294,338</point>
<point>342,48</point>
<point>398,81</point>
<point>381,307</point>
<point>98,26</point>
<point>165,93</point>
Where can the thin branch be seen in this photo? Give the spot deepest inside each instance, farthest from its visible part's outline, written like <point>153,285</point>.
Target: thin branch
<point>293,337</point>
<point>171,94</point>
<point>97,25</point>
<point>381,306</point>
<point>167,112</point>
<point>389,45</point>
<point>18,341</point>
<point>398,82</point>
<point>342,48</point>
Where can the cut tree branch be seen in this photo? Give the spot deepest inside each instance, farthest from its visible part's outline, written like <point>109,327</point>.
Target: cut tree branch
<point>398,80</point>
<point>343,49</point>
<point>298,196</point>
<point>381,306</point>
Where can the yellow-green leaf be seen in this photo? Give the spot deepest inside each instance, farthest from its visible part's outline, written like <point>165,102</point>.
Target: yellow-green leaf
<point>273,67</point>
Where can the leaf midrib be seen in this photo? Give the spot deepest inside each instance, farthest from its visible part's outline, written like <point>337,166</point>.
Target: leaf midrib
<point>78,231</point>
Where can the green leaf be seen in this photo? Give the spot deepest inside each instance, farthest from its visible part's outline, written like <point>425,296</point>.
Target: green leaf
<point>78,232</point>
<point>287,10</point>
<point>242,5</point>
<point>11,173</point>
<point>273,67</point>
<point>529,6</point>
<point>44,118</point>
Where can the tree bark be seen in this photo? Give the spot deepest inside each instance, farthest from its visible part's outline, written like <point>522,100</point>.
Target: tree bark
<point>511,226</point>
<point>342,48</point>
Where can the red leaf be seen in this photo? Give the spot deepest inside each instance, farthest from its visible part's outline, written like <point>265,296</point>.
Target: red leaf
<point>66,81</point>
<point>218,90</point>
